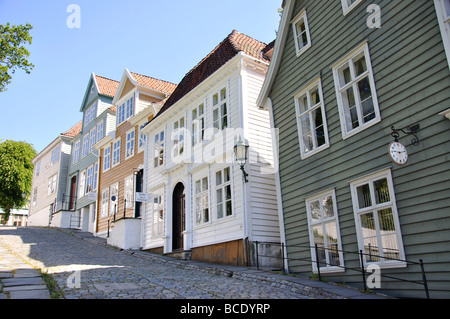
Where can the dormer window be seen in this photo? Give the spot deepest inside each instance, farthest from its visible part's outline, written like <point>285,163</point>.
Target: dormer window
<point>90,114</point>
<point>125,111</point>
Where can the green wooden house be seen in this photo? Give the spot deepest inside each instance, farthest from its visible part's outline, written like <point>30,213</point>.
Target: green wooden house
<point>360,93</point>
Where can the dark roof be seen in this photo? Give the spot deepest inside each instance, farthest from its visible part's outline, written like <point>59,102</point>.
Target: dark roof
<point>234,43</point>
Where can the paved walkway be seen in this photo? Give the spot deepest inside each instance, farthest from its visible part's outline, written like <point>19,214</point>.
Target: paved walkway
<point>85,267</point>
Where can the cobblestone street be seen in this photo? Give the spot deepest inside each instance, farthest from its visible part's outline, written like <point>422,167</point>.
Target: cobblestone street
<point>84,267</point>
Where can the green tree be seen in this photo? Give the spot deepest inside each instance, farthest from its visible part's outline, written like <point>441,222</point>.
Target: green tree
<point>13,55</point>
<point>16,174</point>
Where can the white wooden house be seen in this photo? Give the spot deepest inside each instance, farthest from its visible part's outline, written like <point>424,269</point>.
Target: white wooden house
<point>199,204</point>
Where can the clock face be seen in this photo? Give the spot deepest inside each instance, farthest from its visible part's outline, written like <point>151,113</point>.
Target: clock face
<point>398,153</point>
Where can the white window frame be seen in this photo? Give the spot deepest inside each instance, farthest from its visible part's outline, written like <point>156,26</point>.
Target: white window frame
<point>443,16</point>
<point>129,191</point>
<point>85,145</point>
<point>373,209</point>
<point>92,138</point>
<point>115,150</point>
<point>95,178</point>
<point>142,138</point>
<point>38,168</point>
<point>76,152</point>
<point>56,154</point>
<point>219,102</point>
<point>105,203</point>
<point>201,201</point>
<point>158,149</point>
<point>89,179</point>
<point>130,143</point>
<point>90,113</point>
<point>125,110</point>
<point>82,184</point>
<point>114,205</point>
<point>107,158</point>
<point>221,186</point>
<point>100,131</point>
<point>198,124</point>
<point>322,222</point>
<point>302,114</point>
<point>179,137</point>
<point>52,184</point>
<point>157,220</point>
<point>346,8</point>
<point>299,47</point>
<point>344,114</point>
<point>35,191</point>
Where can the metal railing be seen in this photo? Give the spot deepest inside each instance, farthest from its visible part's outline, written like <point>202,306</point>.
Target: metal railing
<point>363,257</point>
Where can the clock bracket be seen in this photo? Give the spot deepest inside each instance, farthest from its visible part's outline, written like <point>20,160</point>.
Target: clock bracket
<point>409,130</point>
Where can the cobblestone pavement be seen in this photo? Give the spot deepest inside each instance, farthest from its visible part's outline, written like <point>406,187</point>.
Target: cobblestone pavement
<point>84,267</point>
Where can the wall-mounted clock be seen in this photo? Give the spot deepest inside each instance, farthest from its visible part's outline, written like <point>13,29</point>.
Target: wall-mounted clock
<point>398,153</point>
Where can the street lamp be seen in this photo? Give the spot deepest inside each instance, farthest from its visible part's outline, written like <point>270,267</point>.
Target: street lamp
<point>240,152</point>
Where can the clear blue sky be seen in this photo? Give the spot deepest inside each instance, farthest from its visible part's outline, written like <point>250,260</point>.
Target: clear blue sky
<point>162,39</point>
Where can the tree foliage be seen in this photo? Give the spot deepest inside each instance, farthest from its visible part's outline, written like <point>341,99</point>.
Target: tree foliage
<point>13,55</point>
<point>16,174</point>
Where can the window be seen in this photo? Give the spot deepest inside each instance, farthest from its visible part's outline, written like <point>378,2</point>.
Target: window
<point>355,90</point>
<point>142,139</point>
<point>130,144</point>
<point>125,111</point>
<point>349,5</point>
<point>82,184</point>
<point>38,168</point>
<point>90,113</point>
<point>311,119</point>
<point>34,196</point>
<point>113,204</point>
<point>158,155</point>
<point>95,181</point>
<point>301,32</point>
<point>178,137</point>
<point>52,184</point>
<point>89,179</point>
<point>377,223</point>
<point>202,201</point>
<point>220,111</point>
<point>324,231</point>
<point>223,193</point>
<point>116,153</point>
<point>76,152</point>
<point>443,15</point>
<point>55,154</point>
<point>129,191</point>
<point>100,131</point>
<point>92,139</point>
<point>105,201</point>
<point>198,124</point>
<point>107,158</point>
<point>85,145</point>
<point>158,215</point>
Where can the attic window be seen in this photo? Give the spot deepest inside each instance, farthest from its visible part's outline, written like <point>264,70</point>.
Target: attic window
<point>301,32</point>
<point>92,88</point>
<point>349,5</point>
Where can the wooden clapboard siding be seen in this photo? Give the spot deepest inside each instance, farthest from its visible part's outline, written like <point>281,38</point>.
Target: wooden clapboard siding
<point>412,83</point>
<point>118,174</point>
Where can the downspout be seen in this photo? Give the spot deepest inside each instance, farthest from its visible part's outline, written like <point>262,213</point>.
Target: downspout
<point>244,193</point>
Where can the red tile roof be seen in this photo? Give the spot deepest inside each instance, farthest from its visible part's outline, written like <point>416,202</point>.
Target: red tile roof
<point>106,86</point>
<point>74,131</point>
<point>225,51</point>
<point>155,84</point>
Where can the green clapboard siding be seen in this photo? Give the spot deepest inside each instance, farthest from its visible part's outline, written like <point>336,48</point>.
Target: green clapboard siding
<point>413,86</point>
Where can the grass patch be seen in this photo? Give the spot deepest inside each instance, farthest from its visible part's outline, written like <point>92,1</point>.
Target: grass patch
<point>55,291</point>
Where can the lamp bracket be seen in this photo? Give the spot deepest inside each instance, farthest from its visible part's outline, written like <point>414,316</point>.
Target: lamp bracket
<point>409,130</point>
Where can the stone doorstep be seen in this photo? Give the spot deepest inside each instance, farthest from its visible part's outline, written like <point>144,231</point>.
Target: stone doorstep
<point>27,273</point>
